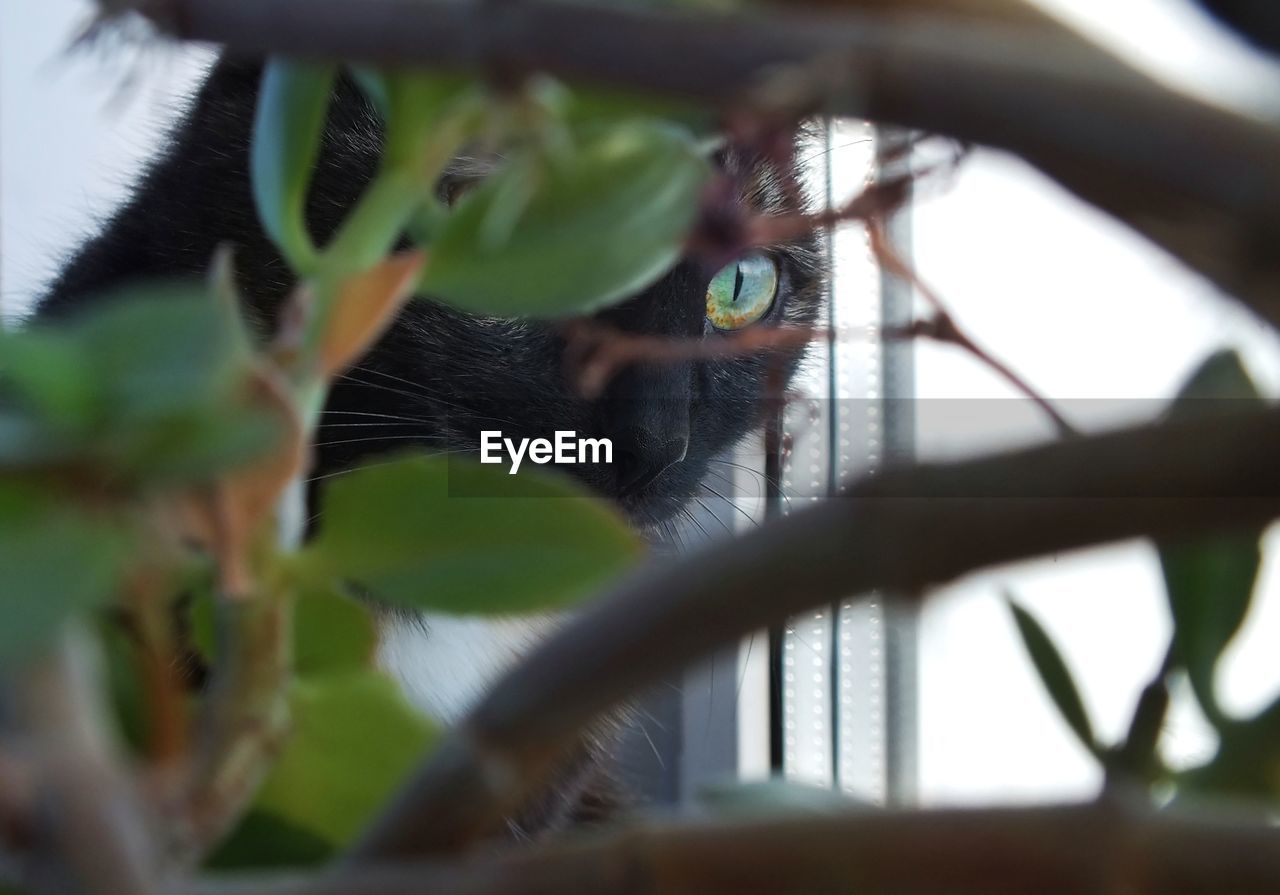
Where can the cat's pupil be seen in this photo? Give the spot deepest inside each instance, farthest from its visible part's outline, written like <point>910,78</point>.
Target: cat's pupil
<point>737,283</point>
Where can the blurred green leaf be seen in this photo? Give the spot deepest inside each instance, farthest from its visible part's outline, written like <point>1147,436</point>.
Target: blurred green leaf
<point>603,222</point>
<point>590,106</point>
<point>124,684</point>
<point>455,536</point>
<point>1247,763</point>
<point>1220,379</point>
<point>292,105</point>
<point>56,560</point>
<point>147,384</point>
<point>332,632</point>
<point>353,742</point>
<point>46,371</point>
<point>1056,677</point>
<point>1210,584</point>
<point>263,840</point>
<point>1210,580</point>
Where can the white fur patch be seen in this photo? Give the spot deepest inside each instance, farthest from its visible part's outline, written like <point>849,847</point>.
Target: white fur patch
<point>445,663</point>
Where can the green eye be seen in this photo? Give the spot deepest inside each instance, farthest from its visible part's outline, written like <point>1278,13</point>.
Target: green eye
<point>742,293</point>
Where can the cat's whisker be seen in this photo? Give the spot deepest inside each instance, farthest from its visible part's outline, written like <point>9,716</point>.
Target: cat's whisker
<point>731,484</point>
<point>766,479</point>
<point>417,396</point>
<point>381,416</point>
<point>426,398</point>
<point>365,465</point>
<point>663,532</point>
<point>772,481</point>
<point>713,514</point>
<point>382,425</point>
<point>409,382</point>
<point>830,149</point>
<point>421,393</point>
<point>644,732</point>
<point>733,503</point>
<point>746,663</point>
<point>684,511</point>
<point>648,715</point>
<point>423,439</point>
<point>677,538</point>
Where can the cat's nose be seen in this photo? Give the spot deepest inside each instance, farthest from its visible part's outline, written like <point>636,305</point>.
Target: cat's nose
<point>641,455</point>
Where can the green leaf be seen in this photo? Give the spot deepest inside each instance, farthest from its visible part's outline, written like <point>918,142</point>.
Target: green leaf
<point>592,106</point>
<point>148,384</point>
<point>354,741</point>
<point>157,347</point>
<point>602,223</point>
<point>587,108</point>
<point>332,632</point>
<point>455,536</point>
<point>1210,580</point>
<point>56,560</point>
<point>1220,378</point>
<point>1210,584</point>
<point>1055,676</point>
<point>1247,763</point>
<point>124,685</point>
<point>46,371</point>
<point>292,105</point>
<point>263,840</point>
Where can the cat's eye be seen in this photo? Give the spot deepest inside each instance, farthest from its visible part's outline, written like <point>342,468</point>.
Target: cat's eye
<point>742,292</point>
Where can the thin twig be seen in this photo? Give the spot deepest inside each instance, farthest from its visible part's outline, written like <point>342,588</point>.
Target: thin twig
<point>943,327</point>
<point>903,531</point>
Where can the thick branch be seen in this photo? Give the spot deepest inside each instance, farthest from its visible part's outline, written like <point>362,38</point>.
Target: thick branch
<point>1197,179</point>
<point>901,531</point>
<point>1036,851</point>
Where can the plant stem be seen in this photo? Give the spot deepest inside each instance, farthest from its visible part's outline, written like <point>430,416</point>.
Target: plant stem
<point>245,715</point>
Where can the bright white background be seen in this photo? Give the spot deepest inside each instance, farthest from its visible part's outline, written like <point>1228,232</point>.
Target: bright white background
<point>1078,306</point>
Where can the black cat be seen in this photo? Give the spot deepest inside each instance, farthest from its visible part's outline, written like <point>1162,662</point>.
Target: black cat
<point>439,377</point>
